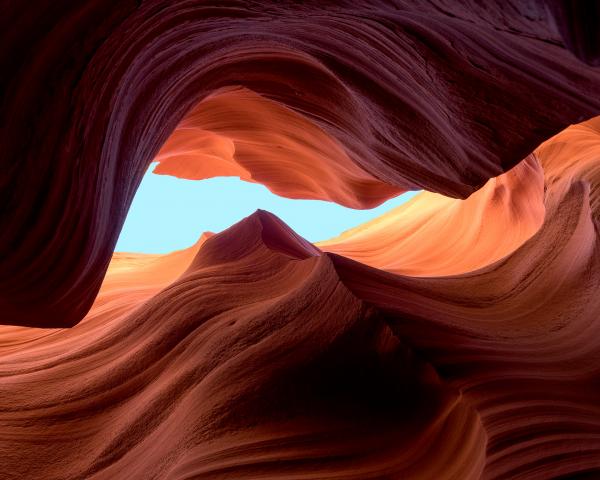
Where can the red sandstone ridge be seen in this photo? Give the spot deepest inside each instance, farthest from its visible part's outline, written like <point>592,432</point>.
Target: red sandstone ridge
<point>518,338</point>
<point>573,155</point>
<point>254,354</point>
<point>269,366</point>
<point>438,96</point>
<point>268,358</point>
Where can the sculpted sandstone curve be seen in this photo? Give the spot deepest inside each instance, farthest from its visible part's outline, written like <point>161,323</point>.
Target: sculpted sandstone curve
<point>433,235</point>
<point>432,96</point>
<point>236,132</point>
<point>462,345</point>
<point>267,357</point>
<point>487,226</point>
<point>240,380</point>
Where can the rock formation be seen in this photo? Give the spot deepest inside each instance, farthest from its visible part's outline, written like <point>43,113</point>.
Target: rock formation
<point>429,95</point>
<point>456,337</point>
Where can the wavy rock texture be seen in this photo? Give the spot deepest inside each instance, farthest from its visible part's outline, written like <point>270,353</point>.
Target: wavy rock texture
<point>268,358</point>
<point>436,235</point>
<point>236,132</point>
<point>518,338</point>
<point>257,362</point>
<point>487,226</point>
<point>573,155</point>
<point>254,354</point>
<point>467,349</point>
<point>434,95</point>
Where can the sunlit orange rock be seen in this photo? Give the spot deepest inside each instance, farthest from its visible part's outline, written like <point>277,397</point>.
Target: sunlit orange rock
<point>434,235</point>
<point>573,155</point>
<point>236,132</point>
<point>267,357</point>
<point>228,372</point>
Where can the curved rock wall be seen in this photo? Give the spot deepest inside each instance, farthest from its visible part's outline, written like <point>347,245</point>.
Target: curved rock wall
<point>433,95</point>
<point>463,343</point>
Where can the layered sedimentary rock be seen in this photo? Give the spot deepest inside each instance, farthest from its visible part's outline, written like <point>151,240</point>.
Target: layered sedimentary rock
<point>518,338</point>
<point>435,235</point>
<point>456,338</point>
<point>236,132</point>
<point>573,155</point>
<point>228,373</point>
<point>268,358</point>
<point>255,354</point>
<point>438,95</point>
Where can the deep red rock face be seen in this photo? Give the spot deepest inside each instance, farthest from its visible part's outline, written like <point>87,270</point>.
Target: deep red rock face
<point>456,337</point>
<point>417,95</point>
<point>577,23</point>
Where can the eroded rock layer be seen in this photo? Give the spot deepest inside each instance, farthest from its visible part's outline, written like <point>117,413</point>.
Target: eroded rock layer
<point>455,338</point>
<point>254,354</point>
<point>436,235</point>
<point>268,358</point>
<point>236,132</point>
<point>434,95</point>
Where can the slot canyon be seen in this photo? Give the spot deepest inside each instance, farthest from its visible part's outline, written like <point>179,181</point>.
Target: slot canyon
<point>455,336</point>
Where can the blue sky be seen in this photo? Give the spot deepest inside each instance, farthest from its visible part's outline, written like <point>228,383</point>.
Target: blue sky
<point>170,213</point>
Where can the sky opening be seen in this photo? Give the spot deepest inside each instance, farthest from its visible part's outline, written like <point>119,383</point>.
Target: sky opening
<point>170,213</point>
